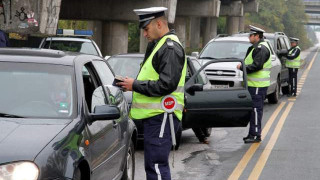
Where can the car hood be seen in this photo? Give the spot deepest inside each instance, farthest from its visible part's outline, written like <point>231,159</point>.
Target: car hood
<point>223,66</point>
<point>23,141</point>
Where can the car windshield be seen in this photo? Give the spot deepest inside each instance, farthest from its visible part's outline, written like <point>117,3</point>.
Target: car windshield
<point>126,66</point>
<point>73,46</point>
<point>225,49</point>
<point>202,76</point>
<point>36,90</point>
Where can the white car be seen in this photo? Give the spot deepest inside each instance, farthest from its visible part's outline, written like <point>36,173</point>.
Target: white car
<point>226,75</point>
<point>72,40</point>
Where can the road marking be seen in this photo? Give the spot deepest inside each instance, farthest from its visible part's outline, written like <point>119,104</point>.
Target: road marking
<point>248,155</point>
<point>256,172</point>
<point>314,57</point>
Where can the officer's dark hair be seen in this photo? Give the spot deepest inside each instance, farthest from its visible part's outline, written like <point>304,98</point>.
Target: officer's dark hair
<point>260,35</point>
<point>163,19</point>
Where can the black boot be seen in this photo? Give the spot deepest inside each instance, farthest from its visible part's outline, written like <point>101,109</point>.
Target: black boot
<point>247,137</point>
<point>253,139</point>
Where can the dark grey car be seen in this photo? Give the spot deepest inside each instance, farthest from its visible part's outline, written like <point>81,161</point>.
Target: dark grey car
<point>60,118</point>
<point>204,107</point>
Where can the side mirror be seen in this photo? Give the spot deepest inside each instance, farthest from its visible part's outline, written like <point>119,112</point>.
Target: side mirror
<point>105,112</point>
<point>193,88</point>
<point>195,54</point>
<point>282,52</point>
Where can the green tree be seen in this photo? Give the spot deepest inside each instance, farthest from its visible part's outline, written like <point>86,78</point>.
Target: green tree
<point>282,16</point>
<point>72,24</point>
<point>133,38</point>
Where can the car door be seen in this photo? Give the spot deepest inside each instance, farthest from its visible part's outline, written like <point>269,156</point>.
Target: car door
<point>281,44</point>
<point>214,107</point>
<point>115,97</point>
<point>103,135</point>
<point>275,69</point>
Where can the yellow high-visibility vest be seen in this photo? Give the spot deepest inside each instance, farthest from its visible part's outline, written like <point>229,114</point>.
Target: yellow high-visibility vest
<point>145,107</point>
<point>295,63</point>
<point>260,78</point>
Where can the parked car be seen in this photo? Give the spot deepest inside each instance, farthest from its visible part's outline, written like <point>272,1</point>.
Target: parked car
<point>226,75</point>
<point>281,45</point>
<point>72,40</point>
<point>60,118</point>
<point>205,108</point>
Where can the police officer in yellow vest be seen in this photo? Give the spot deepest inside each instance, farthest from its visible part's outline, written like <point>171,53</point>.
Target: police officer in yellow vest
<point>293,65</point>
<point>162,73</point>
<point>258,65</point>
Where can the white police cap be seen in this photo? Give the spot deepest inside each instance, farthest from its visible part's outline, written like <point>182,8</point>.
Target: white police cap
<point>255,30</point>
<point>148,14</point>
<point>292,39</point>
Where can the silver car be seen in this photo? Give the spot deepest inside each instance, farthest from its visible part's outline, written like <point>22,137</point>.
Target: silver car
<point>226,75</point>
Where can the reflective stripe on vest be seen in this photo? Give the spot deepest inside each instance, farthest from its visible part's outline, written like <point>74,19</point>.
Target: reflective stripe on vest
<point>260,78</point>
<point>144,106</point>
<point>294,63</point>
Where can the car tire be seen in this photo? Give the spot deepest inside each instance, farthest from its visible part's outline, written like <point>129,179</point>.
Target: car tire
<point>273,98</point>
<point>285,90</point>
<point>77,174</point>
<point>207,131</point>
<point>128,171</point>
<point>178,138</point>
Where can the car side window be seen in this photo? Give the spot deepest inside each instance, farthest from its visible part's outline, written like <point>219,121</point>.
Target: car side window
<point>270,47</point>
<point>283,45</point>
<point>94,93</point>
<point>279,44</point>
<point>286,40</point>
<point>104,71</point>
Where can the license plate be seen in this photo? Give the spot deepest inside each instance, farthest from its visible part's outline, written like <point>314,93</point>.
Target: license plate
<point>220,86</point>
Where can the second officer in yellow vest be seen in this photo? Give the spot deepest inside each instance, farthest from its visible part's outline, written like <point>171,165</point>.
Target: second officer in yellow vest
<point>162,73</point>
<point>293,65</point>
<point>258,66</point>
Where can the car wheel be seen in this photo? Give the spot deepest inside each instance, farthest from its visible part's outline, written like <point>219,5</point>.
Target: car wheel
<point>207,131</point>
<point>77,174</point>
<point>129,168</point>
<point>273,98</point>
<point>285,90</point>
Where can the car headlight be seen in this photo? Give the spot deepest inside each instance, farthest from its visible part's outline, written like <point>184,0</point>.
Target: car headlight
<point>19,171</point>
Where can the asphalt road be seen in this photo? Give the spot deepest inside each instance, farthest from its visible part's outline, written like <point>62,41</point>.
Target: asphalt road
<point>290,148</point>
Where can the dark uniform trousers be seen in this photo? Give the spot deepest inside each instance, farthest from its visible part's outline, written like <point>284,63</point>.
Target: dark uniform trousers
<point>258,95</point>
<point>156,149</point>
<point>293,76</point>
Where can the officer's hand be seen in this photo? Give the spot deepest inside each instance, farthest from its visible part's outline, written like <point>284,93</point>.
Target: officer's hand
<point>239,66</point>
<point>127,83</point>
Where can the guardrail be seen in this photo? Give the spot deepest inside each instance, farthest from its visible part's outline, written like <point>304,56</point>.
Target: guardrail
<point>312,3</point>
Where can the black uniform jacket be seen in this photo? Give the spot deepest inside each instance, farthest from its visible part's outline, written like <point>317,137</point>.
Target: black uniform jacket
<point>168,63</point>
<point>260,55</point>
<point>295,53</point>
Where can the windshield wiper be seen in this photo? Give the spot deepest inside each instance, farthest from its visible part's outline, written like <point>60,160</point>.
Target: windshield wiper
<point>207,58</point>
<point>9,115</point>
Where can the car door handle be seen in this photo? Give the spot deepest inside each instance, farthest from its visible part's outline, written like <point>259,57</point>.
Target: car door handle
<point>242,95</point>
<point>115,124</point>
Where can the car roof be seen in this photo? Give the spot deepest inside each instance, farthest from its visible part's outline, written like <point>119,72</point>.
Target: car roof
<point>232,38</point>
<point>34,55</point>
<point>138,55</point>
<point>242,37</point>
<point>57,38</point>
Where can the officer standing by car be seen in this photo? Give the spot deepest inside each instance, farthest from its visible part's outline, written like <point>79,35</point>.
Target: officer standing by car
<point>293,65</point>
<point>162,73</point>
<point>258,65</point>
